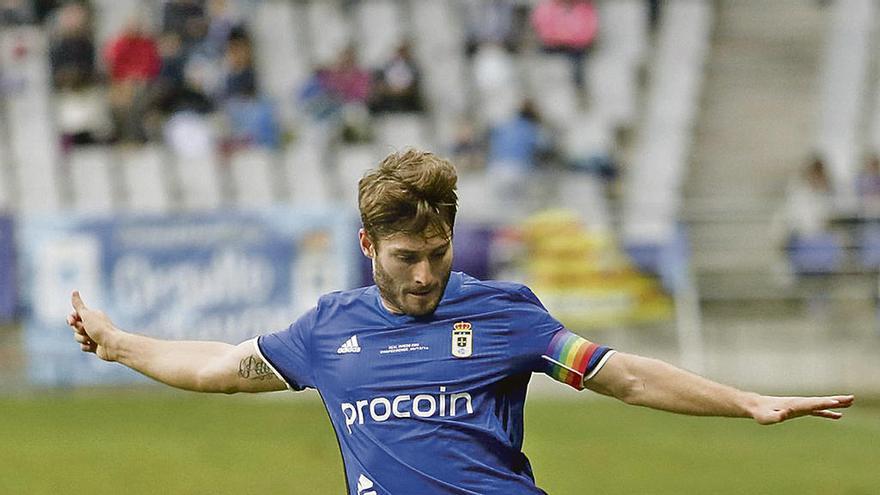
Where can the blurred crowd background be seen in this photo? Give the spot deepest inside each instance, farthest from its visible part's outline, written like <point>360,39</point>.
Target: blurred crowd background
<point>691,179</point>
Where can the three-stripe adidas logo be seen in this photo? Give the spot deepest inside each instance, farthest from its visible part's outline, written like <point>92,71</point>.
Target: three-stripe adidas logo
<point>349,346</point>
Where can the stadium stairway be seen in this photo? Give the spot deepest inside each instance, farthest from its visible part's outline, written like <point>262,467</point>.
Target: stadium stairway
<point>757,127</point>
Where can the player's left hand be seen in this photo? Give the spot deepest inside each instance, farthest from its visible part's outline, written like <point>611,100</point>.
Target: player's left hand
<point>771,410</point>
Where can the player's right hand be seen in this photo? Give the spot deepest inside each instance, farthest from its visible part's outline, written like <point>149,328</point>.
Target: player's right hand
<point>92,329</point>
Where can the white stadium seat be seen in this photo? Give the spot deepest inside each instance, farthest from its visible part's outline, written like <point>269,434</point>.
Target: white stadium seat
<point>92,179</point>
<point>144,178</point>
<point>380,31</point>
<point>253,177</point>
<point>34,143</point>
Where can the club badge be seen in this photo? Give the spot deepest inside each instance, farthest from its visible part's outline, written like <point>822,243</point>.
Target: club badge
<point>462,340</point>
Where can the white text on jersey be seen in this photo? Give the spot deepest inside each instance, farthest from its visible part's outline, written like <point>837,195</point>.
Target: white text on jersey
<point>381,409</point>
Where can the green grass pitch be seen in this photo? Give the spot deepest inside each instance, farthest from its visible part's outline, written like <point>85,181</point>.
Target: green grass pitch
<point>149,442</point>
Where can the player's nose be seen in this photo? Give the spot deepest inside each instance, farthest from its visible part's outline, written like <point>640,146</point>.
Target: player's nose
<point>422,275</point>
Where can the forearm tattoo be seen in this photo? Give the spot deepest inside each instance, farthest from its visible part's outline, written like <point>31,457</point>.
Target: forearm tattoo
<point>254,368</point>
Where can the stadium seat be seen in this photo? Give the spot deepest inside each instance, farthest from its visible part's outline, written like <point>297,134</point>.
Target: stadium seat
<point>144,179</point>
<point>652,192</point>
<point>380,26</point>
<point>351,163</point>
<point>282,57</point>
<point>5,171</point>
<point>843,89</point>
<point>111,15</point>
<point>329,30</point>
<point>92,179</point>
<point>398,131</point>
<point>33,141</point>
<point>309,180</point>
<point>253,177</point>
<point>552,87</point>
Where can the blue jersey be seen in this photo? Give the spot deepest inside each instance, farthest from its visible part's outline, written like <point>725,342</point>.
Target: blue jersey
<point>431,404</point>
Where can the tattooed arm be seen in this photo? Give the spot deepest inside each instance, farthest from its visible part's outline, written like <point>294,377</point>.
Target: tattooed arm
<point>189,365</point>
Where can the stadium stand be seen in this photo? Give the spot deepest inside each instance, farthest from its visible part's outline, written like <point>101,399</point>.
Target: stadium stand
<point>144,179</point>
<point>92,172</point>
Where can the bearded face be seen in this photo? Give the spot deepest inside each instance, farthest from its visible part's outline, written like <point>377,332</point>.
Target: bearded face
<point>411,271</point>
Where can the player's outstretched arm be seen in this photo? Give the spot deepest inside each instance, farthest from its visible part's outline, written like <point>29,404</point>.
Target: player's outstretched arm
<point>189,365</point>
<point>652,383</point>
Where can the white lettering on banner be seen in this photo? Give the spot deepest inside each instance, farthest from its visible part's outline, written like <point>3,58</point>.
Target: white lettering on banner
<point>229,277</point>
<point>381,409</point>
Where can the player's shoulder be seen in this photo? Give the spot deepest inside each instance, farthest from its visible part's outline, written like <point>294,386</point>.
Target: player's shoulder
<point>511,291</point>
<point>332,303</point>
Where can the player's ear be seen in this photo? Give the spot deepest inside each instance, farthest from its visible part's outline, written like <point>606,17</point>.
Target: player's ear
<point>367,246</point>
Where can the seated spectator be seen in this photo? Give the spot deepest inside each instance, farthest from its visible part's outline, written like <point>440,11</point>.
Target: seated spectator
<point>809,202</point>
<point>178,88</point>
<point>81,109</point>
<point>15,13</point>
<point>514,150</point>
<point>398,85</point>
<point>336,96</point>
<point>251,121</point>
<point>468,149</point>
<point>807,214</point>
<point>72,49</point>
<point>241,77</point>
<point>133,61</point>
<point>568,27</point>
<point>490,21</point>
<point>868,188</point>
<point>187,19</point>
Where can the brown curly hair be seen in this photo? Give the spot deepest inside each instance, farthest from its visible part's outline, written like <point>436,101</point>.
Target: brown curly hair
<point>410,192</point>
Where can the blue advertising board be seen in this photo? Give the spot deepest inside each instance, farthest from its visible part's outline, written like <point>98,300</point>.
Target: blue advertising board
<point>218,276</point>
<point>8,288</point>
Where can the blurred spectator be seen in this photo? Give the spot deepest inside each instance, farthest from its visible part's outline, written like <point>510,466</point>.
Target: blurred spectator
<point>812,248</point>
<point>468,150</point>
<point>514,150</point>
<point>808,206</point>
<point>71,48</point>
<point>186,18</point>
<point>81,106</point>
<point>15,13</point>
<point>568,27</point>
<point>490,21</point>
<point>868,187</point>
<point>251,121</point>
<point>398,85</point>
<point>241,77</point>
<point>336,96</point>
<point>133,61</point>
<point>44,8</point>
<point>177,89</point>
<point>223,23</point>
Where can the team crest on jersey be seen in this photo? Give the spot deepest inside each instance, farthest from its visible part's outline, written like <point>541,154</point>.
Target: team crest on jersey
<point>462,339</point>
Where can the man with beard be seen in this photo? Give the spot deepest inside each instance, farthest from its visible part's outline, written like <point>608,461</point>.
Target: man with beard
<point>424,374</point>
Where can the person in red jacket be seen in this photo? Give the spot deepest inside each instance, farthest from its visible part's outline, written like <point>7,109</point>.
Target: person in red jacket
<point>133,61</point>
<point>567,26</point>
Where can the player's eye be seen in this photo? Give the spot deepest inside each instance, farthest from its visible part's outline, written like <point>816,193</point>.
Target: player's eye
<point>406,258</point>
<point>439,254</point>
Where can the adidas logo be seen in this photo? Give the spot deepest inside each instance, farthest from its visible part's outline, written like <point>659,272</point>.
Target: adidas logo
<point>365,484</point>
<point>349,346</point>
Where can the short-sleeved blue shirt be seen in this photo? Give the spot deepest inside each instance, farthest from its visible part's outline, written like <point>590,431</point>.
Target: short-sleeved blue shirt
<point>432,404</point>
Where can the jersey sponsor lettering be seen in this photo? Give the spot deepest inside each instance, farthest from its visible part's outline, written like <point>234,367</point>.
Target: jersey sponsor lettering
<point>381,409</point>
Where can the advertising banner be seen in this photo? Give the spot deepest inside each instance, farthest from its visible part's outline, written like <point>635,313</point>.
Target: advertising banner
<point>218,276</point>
<point>8,289</point>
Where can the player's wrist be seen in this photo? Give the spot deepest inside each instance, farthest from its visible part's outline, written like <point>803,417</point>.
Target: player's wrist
<point>114,342</point>
<point>750,405</point>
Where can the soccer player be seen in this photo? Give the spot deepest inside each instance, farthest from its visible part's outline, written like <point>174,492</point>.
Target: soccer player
<point>424,374</point>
